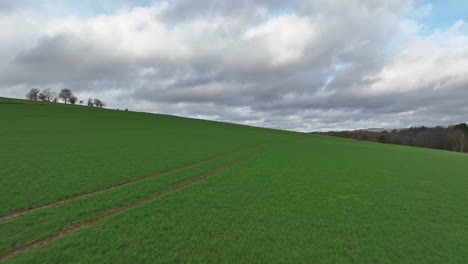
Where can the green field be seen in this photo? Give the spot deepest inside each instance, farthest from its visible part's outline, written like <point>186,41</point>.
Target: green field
<point>89,185</point>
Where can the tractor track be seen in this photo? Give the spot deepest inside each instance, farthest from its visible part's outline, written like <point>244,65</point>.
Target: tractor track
<point>21,212</point>
<point>64,233</point>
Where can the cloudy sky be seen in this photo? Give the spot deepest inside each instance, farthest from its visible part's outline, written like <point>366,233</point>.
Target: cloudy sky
<point>300,64</point>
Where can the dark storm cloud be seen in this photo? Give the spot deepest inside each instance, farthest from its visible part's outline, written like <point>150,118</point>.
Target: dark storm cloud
<point>300,65</point>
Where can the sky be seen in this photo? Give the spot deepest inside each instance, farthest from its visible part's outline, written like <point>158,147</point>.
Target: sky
<point>298,65</point>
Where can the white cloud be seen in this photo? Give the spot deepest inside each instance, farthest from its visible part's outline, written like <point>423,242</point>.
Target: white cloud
<point>20,31</point>
<point>285,37</point>
<point>304,65</point>
<point>437,61</point>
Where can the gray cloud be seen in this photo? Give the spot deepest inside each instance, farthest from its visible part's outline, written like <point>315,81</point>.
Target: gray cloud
<point>66,58</point>
<point>300,65</point>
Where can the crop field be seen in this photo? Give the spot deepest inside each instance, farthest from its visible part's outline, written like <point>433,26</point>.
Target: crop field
<point>88,185</point>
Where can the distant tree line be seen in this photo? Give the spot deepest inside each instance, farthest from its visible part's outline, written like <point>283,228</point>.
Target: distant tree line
<point>65,95</point>
<point>452,138</point>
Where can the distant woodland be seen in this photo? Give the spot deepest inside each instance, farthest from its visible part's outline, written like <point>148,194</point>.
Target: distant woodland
<point>452,138</point>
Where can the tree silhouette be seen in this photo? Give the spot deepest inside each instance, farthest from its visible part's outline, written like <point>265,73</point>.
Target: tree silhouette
<point>33,94</point>
<point>65,95</point>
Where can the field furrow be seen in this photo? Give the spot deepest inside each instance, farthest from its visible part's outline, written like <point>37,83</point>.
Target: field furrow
<point>21,212</point>
<point>30,229</point>
<point>88,185</point>
<point>50,154</point>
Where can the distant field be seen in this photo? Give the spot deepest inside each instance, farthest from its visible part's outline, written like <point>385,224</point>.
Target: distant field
<point>88,185</point>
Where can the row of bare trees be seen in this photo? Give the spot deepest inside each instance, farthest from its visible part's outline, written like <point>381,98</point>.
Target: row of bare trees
<point>453,138</point>
<point>65,95</point>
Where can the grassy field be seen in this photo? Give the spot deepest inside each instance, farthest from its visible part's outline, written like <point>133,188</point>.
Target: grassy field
<point>164,189</point>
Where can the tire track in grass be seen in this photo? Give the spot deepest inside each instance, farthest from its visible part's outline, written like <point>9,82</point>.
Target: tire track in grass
<point>46,241</point>
<point>34,226</point>
<point>21,212</point>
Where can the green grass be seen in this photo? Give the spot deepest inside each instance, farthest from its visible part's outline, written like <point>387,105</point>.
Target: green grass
<point>40,224</point>
<point>52,151</point>
<point>315,199</point>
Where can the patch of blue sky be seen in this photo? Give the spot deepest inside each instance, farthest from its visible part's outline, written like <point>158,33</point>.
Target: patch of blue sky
<point>90,8</point>
<point>444,14</point>
<point>281,12</point>
<point>284,10</point>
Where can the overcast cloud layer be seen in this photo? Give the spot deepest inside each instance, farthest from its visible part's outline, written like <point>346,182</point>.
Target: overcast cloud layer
<point>301,65</point>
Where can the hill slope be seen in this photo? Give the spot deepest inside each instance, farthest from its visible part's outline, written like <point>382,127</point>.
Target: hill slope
<point>103,186</point>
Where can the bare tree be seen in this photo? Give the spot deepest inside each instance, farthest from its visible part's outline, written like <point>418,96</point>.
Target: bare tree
<point>462,128</point>
<point>359,136</point>
<point>98,103</point>
<point>47,95</point>
<point>90,102</point>
<point>33,94</point>
<point>454,138</point>
<point>65,95</point>
<point>42,97</point>
<point>73,99</point>
<point>462,142</point>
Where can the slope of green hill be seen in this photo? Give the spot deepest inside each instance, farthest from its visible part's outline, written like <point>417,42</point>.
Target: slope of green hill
<point>52,151</point>
<point>88,185</point>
